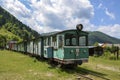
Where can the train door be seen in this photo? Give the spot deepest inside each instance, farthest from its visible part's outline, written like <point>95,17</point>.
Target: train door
<point>39,48</point>
<point>50,48</point>
<point>81,49</point>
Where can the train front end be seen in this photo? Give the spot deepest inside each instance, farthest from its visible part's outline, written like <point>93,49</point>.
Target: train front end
<point>76,49</point>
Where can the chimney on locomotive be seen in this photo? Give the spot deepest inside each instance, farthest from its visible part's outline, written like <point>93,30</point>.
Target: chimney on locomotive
<point>79,27</point>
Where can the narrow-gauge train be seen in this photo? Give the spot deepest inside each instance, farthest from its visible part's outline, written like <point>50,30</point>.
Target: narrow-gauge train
<point>65,47</point>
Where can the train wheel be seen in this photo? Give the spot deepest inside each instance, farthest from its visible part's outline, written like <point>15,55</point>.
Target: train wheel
<point>70,66</point>
<point>80,62</point>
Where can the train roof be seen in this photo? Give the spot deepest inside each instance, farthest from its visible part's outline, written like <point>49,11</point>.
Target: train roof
<point>59,32</point>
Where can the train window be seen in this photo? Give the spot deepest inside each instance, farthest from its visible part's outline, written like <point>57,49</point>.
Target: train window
<point>54,43</point>
<point>67,42</point>
<point>45,42</point>
<point>70,40</point>
<point>73,41</point>
<point>49,41</point>
<point>82,41</point>
<point>60,42</point>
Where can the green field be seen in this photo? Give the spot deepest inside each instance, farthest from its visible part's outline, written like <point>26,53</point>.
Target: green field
<point>17,66</point>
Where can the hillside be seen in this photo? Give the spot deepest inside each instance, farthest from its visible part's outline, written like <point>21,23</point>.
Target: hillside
<point>100,37</point>
<point>14,27</point>
<point>4,32</point>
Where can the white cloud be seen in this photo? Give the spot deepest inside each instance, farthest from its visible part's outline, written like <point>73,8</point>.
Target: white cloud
<point>112,30</point>
<point>100,5</point>
<point>110,14</point>
<point>54,15</point>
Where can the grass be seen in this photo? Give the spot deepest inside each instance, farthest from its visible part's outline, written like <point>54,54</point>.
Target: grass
<point>17,66</point>
<point>109,67</point>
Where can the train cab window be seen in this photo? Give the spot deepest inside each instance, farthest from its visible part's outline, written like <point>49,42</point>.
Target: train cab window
<point>70,40</point>
<point>73,41</point>
<point>67,42</point>
<point>82,41</point>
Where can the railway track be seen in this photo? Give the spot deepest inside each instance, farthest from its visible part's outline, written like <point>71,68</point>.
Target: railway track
<point>82,77</point>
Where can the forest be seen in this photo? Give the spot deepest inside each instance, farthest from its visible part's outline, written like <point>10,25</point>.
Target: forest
<point>11,29</point>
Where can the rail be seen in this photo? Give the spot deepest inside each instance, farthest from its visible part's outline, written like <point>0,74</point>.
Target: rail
<point>82,77</point>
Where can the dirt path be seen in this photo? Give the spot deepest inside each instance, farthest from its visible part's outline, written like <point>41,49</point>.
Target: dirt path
<point>117,69</point>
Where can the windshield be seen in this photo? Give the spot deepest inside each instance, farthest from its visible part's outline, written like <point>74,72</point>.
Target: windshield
<point>75,40</point>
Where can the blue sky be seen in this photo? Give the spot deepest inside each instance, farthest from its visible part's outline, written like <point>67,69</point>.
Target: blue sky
<point>100,8</point>
<point>54,15</point>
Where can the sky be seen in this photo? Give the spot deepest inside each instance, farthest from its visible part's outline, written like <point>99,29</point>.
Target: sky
<point>55,15</point>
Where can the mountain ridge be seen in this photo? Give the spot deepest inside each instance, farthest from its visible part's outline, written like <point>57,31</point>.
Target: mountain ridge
<point>100,37</point>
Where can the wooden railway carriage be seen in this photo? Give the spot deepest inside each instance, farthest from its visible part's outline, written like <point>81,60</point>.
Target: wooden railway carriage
<point>66,47</point>
<point>12,45</point>
<point>37,47</point>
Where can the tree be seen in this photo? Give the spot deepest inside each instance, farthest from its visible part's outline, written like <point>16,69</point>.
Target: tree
<point>2,41</point>
<point>115,50</point>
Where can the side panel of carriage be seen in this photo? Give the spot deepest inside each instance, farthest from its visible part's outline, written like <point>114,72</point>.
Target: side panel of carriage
<point>28,46</point>
<point>25,47</point>
<point>21,47</point>
<point>12,45</point>
<point>48,48</point>
<point>37,47</point>
<point>15,47</point>
<point>31,47</point>
<point>45,41</point>
<point>59,51</point>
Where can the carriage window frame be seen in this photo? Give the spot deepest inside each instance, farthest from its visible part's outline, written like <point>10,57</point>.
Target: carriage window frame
<point>60,41</point>
<point>82,40</point>
<point>49,41</point>
<point>45,42</point>
<point>69,39</point>
<point>74,42</point>
<point>54,41</point>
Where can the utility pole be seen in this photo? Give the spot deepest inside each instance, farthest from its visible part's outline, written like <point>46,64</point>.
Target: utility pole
<point>117,52</point>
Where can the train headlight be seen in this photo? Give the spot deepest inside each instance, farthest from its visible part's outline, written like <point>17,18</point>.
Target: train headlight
<point>71,51</point>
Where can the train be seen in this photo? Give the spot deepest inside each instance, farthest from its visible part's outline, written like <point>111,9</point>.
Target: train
<point>68,47</point>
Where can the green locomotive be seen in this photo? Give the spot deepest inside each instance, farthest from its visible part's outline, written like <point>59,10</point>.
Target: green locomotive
<point>65,47</point>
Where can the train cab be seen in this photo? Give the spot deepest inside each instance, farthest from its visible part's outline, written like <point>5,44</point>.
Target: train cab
<point>66,47</point>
